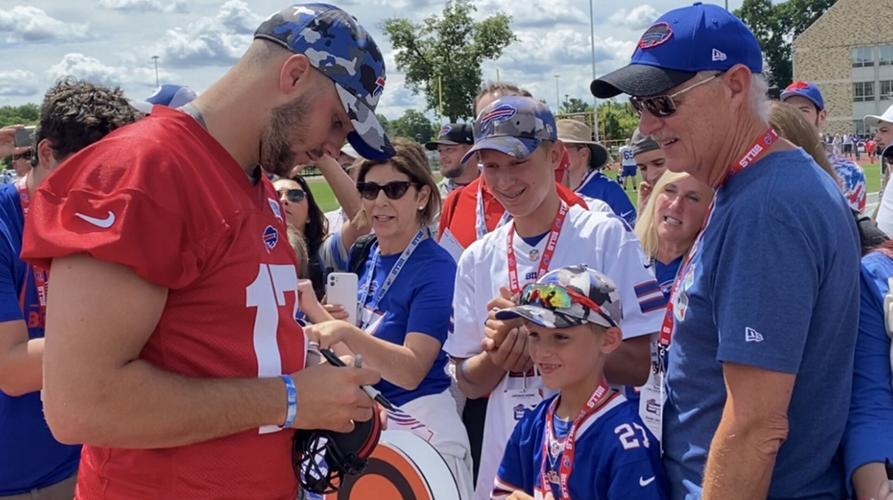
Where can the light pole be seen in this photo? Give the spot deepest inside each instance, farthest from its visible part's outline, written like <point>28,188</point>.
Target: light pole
<point>557,98</point>
<point>592,43</point>
<point>155,58</point>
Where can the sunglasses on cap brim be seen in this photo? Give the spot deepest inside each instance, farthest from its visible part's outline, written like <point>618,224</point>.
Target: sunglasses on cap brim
<point>558,298</point>
<point>393,190</point>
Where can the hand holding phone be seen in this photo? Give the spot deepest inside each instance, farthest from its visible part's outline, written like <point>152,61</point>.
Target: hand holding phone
<point>24,137</point>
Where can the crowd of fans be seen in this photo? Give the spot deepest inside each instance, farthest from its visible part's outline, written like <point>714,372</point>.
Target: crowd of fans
<point>726,337</point>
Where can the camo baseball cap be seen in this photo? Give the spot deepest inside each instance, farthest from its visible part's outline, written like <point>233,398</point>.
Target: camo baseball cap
<point>514,125</point>
<point>344,51</point>
<point>567,297</point>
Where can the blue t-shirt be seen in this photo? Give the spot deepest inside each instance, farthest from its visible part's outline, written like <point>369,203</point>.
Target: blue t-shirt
<point>869,433</point>
<point>597,185</point>
<point>774,285</point>
<point>30,457</point>
<point>420,301</point>
<point>616,456</point>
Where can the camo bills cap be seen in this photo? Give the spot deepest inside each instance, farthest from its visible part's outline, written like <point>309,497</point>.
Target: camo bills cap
<point>568,297</point>
<point>514,125</point>
<point>344,51</point>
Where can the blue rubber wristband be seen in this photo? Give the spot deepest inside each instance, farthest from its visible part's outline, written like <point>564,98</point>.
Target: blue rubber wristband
<point>292,397</point>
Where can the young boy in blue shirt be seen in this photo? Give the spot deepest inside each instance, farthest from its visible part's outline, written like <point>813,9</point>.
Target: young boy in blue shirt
<point>587,442</point>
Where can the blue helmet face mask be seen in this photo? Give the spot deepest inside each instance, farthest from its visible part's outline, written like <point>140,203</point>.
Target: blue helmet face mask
<point>341,49</point>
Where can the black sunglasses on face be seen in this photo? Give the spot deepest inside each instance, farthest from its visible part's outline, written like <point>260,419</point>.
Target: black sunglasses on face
<point>293,195</point>
<point>393,190</point>
<point>23,156</point>
<point>663,106</point>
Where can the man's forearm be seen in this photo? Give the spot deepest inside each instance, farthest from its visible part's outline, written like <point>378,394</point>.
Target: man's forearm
<point>739,465</point>
<point>477,376</point>
<point>21,367</point>
<point>141,406</point>
<point>342,185</point>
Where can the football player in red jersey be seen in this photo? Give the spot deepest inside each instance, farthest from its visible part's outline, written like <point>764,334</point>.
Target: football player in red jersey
<point>171,346</point>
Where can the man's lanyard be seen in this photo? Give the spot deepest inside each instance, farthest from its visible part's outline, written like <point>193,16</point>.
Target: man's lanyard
<point>753,154</point>
<point>40,275</point>
<point>514,284</point>
<point>392,275</point>
<point>552,446</point>
<point>480,216</point>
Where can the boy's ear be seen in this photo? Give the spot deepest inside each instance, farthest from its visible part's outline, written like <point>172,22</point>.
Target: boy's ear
<point>612,337</point>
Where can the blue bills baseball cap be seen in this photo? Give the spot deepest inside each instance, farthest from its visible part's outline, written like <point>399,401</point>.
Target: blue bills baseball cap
<point>682,42</point>
<point>807,90</point>
<point>514,125</point>
<point>341,49</point>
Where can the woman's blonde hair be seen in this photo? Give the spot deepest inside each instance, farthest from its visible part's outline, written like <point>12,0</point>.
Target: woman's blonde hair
<point>790,123</point>
<point>410,159</point>
<point>646,224</point>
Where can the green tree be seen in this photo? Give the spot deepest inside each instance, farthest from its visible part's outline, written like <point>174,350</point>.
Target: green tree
<point>26,114</point>
<point>616,120</point>
<point>575,105</point>
<point>442,55</point>
<point>776,26</point>
<point>414,125</point>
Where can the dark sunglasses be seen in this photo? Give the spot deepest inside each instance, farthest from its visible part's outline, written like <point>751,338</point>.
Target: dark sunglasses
<point>393,190</point>
<point>23,156</point>
<point>293,195</point>
<point>663,106</point>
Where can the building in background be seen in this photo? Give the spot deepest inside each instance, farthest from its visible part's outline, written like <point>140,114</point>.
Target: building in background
<point>848,53</point>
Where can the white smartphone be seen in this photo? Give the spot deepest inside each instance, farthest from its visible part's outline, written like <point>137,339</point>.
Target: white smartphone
<point>341,289</point>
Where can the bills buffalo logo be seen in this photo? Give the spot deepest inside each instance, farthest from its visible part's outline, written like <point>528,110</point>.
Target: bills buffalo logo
<point>271,237</point>
<point>656,35</point>
<point>500,113</point>
<point>444,131</point>
<point>379,86</point>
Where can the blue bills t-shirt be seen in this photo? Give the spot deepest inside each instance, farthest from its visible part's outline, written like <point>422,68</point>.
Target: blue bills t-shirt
<point>420,301</point>
<point>29,456</point>
<point>774,284</point>
<point>615,456</point>
<point>597,185</point>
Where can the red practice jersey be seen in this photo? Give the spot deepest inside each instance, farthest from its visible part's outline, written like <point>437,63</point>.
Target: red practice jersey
<point>164,198</point>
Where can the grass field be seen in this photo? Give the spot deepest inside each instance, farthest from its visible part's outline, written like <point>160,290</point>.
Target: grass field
<point>326,200</point>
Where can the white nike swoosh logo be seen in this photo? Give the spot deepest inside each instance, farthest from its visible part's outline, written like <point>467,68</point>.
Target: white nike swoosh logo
<point>645,482</point>
<point>103,223</point>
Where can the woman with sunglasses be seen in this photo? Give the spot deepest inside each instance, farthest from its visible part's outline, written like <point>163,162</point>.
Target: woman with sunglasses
<point>405,294</point>
<point>307,228</point>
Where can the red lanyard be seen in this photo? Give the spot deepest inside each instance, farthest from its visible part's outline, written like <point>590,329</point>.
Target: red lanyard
<point>514,284</point>
<point>598,399</point>
<point>755,152</point>
<point>40,276</point>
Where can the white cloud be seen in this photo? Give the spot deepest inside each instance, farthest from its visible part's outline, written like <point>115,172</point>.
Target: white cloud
<point>18,83</point>
<point>547,14</point>
<point>95,71</point>
<point>637,18</point>
<point>211,41</point>
<point>145,5</point>
<point>24,23</point>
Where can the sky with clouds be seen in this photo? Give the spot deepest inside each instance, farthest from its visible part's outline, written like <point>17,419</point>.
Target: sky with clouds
<point>113,41</point>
